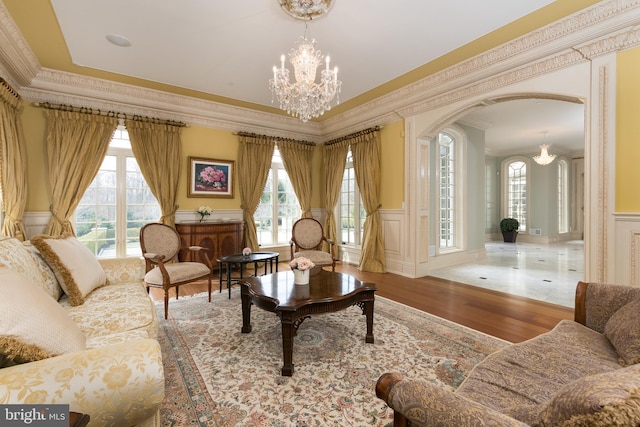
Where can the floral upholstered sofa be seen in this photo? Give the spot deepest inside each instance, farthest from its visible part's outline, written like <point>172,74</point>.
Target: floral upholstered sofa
<point>582,373</point>
<point>80,331</point>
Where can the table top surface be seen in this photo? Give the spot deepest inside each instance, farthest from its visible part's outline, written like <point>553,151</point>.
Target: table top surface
<point>324,286</point>
<point>254,257</point>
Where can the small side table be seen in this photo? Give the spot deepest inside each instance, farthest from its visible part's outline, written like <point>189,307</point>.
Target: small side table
<point>269,258</point>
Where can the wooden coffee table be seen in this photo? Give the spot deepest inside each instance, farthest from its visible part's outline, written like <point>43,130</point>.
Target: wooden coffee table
<point>327,292</point>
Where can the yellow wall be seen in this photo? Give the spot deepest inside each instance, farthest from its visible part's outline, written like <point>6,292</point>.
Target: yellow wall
<point>216,144</point>
<point>628,131</point>
<point>392,188</point>
<point>210,144</point>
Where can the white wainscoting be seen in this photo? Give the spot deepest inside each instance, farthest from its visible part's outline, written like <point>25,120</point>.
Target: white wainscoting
<point>36,223</point>
<point>627,249</point>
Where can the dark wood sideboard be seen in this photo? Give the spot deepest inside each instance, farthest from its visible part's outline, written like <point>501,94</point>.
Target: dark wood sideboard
<point>220,237</point>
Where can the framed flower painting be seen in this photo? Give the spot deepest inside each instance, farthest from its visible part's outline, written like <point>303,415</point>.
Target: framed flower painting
<point>210,178</point>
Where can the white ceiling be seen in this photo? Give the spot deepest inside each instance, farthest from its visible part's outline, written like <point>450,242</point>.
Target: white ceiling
<point>229,48</point>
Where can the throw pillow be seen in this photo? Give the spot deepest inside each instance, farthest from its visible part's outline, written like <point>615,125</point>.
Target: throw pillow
<point>33,325</point>
<point>607,399</point>
<point>77,269</point>
<point>623,330</point>
<point>17,256</point>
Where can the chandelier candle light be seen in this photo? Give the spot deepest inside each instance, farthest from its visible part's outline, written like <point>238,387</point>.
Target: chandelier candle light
<point>305,98</point>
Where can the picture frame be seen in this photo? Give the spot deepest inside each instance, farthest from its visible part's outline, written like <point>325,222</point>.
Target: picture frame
<point>211,177</point>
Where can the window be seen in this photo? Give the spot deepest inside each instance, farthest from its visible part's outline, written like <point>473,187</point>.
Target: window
<point>351,210</point>
<point>516,192</point>
<point>563,196</point>
<point>117,204</point>
<point>447,190</point>
<point>278,208</point>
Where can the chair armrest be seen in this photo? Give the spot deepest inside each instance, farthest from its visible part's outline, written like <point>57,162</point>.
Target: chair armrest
<point>121,384</point>
<point>203,253</point>
<point>595,303</point>
<point>425,404</point>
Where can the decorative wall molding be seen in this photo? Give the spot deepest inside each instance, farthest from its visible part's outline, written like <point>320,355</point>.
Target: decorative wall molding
<point>627,231</point>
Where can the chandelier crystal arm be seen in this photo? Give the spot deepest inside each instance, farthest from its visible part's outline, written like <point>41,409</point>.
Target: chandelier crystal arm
<point>305,98</point>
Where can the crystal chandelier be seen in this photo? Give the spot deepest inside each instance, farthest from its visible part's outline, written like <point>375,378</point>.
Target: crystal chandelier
<point>305,98</point>
<point>544,158</point>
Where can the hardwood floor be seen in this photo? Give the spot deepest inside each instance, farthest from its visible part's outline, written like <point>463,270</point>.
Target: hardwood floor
<point>505,316</point>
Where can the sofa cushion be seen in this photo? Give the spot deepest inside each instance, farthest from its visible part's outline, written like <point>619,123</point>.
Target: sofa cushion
<point>623,330</point>
<point>531,372</point>
<point>77,269</point>
<point>114,308</point>
<point>607,399</point>
<point>32,325</point>
<point>17,256</point>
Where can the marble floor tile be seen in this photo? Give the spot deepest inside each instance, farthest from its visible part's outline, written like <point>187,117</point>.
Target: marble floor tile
<point>544,272</point>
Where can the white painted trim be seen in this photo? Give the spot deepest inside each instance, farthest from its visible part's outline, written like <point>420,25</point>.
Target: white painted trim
<point>627,241</point>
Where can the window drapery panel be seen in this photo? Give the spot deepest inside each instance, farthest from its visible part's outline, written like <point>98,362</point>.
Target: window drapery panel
<point>76,145</point>
<point>158,151</point>
<point>365,148</point>
<point>254,160</point>
<point>297,158</point>
<point>335,161</point>
<point>13,163</point>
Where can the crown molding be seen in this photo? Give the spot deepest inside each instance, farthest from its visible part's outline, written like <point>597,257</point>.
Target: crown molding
<point>603,28</point>
<point>60,87</point>
<point>18,63</point>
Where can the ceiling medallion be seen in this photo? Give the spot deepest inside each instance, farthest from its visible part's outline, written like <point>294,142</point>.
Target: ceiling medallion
<point>306,9</point>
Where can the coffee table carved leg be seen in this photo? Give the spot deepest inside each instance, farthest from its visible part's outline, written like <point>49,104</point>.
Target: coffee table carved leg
<point>246,311</point>
<point>288,332</point>
<point>367,310</point>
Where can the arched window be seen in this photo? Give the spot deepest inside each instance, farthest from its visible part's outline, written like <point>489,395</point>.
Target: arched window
<point>563,196</point>
<point>515,190</point>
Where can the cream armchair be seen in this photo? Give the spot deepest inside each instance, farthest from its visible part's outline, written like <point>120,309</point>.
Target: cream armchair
<point>306,241</point>
<point>160,246</point>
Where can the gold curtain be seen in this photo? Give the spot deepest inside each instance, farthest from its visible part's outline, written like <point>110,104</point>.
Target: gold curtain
<point>254,160</point>
<point>13,163</point>
<point>365,148</point>
<point>77,142</point>
<point>158,150</point>
<point>297,157</point>
<point>335,160</point>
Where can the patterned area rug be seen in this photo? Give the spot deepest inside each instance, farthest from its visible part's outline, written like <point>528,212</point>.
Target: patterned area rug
<point>218,376</point>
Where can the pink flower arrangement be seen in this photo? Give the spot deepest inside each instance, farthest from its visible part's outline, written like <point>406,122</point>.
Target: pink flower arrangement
<point>301,263</point>
<point>212,176</point>
<point>246,251</point>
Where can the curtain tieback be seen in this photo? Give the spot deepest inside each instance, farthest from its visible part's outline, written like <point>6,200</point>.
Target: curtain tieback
<point>64,222</point>
<point>375,211</point>
<point>168,214</point>
<point>13,219</point>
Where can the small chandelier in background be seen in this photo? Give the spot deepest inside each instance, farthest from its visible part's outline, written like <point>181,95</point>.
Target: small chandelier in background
<point>544,158</point>
<point>305,98</point>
